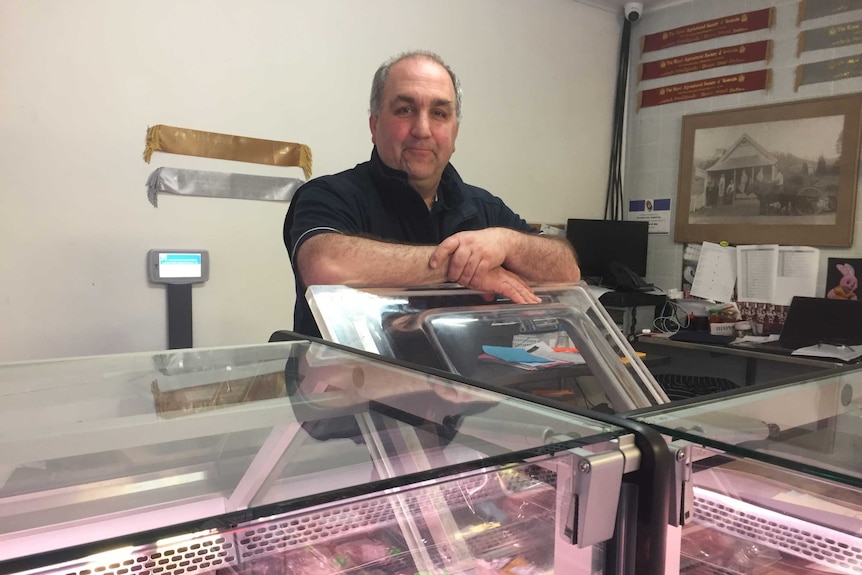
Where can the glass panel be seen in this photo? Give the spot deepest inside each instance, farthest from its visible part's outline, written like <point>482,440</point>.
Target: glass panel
<point>482,522</point>
<point>101,447</point>
<point>497,342</point>
<point>814,425</point>
<point>499,519</point>
<point>751,517</point>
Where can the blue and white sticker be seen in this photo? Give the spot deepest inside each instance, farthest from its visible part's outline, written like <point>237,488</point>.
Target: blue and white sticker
<point>654,211</point>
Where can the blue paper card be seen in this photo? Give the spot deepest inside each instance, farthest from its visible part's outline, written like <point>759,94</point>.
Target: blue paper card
<point>513,354</point>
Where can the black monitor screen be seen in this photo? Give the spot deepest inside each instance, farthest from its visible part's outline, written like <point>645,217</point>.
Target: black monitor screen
<point>600,242</point>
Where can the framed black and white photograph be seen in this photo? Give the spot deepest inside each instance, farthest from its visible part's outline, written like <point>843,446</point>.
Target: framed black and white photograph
<point>777,174</point>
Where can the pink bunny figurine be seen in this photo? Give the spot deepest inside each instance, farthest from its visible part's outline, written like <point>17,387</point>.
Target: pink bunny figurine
<point>846,288</point>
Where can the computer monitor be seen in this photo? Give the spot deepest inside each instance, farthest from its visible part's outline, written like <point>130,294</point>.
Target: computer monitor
<point>600,242</point>
<point>813,320</point>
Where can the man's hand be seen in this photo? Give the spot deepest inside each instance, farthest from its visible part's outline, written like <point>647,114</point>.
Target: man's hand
<point>475,261</point>
<point>472,254</point>
<point>501,281</point>
<point>533,257</point>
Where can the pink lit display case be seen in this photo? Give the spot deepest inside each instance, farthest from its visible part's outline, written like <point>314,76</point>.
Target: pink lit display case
<point>774,483</point>
<point>766,478</point>
<point>300,457</point>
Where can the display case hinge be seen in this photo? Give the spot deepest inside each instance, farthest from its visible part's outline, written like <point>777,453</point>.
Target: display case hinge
<point>682,494</point>
<point>595,493</point>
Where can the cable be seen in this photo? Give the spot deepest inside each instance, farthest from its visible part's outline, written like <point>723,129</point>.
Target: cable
<point>614,197</point>
<point>668,320</point>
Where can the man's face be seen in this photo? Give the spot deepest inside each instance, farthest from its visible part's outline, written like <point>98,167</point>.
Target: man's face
<point>417,126</point>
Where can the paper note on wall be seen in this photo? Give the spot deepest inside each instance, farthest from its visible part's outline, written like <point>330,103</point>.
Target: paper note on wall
<point>715,276</point>
<point>774,274</point>
<point>656,212</point>
<point>757,271</point>
<point>797,273</point>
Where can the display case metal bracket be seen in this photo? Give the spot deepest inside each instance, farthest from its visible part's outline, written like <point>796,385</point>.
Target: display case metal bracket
<point>682,488</point>
<point>596,480</point>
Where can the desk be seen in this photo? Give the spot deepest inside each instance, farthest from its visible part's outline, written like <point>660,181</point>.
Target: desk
<point>631,311</point>
<point>742,365</point>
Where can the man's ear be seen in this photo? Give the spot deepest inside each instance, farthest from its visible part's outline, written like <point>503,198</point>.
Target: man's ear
<point>372,124</point>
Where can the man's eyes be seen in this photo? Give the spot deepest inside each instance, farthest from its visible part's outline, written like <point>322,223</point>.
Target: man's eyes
<point>407,110</point>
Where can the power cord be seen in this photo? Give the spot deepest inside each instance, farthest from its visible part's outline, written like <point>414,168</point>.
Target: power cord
<point>668,319</point>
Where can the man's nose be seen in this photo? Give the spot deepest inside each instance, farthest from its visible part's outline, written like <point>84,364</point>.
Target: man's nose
<point>421,126</point>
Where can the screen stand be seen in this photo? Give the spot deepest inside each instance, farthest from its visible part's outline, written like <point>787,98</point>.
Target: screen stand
<point>179,316</point>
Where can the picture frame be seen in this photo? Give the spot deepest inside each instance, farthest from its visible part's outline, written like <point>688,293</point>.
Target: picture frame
<point>783,173</point>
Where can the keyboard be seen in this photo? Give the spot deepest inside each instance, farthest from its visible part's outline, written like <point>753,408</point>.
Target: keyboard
<point>702,337</point>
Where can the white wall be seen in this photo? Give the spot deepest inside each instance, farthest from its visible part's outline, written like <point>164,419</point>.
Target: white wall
<point>80,81</point>
<point>653,134</point>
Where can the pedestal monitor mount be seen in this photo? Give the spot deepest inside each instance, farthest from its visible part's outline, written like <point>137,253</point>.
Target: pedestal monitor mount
<point>179,269</point>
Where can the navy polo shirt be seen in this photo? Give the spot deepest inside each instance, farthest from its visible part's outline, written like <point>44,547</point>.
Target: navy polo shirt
<point>374,200</point>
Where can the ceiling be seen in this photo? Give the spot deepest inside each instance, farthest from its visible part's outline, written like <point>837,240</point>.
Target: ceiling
<point>618,5</point>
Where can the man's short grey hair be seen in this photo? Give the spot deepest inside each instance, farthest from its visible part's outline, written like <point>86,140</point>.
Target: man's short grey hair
<point>383,73</point>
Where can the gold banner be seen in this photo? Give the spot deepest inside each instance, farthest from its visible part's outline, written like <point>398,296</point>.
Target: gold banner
<point>172,140</point>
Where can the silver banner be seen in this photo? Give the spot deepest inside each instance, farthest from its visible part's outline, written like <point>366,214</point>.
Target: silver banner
<point>808,9</point>
<point>828,70</point>
<point>830,37</point>
<point>220,185</point>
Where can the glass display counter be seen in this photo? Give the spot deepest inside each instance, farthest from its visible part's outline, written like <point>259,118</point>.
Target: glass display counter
<point>766,478</point>
<point>305,457</point>
<point>737,364</point>
<point>774,485</point>
<point>490,340</point>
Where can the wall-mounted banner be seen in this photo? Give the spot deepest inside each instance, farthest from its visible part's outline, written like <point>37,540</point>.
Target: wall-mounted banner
<point>226,147</point>
<point>740,54</point>
<point>830,37</point>
<point>721,86</point>
<point>808,9</point>
<point>219,185</point>
<point>709,29</point>
<point>828,70</point>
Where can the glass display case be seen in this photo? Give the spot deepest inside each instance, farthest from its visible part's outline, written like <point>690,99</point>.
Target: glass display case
<point>774,484</point>
<point>305,457</point>
<point>566,348</point>
<point>765,478</point>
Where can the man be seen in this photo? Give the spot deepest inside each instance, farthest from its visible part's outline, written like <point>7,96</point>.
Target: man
<point>784,201</point>
<point>405,217</point>
<point>778,180</point>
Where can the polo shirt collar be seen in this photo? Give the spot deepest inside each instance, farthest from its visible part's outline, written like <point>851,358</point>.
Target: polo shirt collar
<point>391,181</point>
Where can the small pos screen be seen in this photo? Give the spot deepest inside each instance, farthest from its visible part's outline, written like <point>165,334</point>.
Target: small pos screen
<point>178,266</point>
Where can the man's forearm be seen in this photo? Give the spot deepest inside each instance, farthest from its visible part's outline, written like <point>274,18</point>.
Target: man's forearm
<point>336,259</point>
<point>542,259</point>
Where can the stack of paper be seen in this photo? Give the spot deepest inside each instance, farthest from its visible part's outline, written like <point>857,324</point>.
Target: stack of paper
<point>761,273</point>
